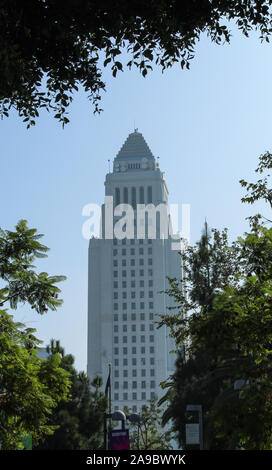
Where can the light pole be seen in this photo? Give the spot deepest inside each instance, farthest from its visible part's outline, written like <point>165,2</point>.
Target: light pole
<point>118,416</point>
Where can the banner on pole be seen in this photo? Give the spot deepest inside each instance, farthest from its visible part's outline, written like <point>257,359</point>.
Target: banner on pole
<point>119,439</point>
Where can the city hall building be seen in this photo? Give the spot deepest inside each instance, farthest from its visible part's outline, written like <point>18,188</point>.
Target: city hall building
<point>128,268</point>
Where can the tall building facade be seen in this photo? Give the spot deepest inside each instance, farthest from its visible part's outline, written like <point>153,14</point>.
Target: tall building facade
<point>128,269</point>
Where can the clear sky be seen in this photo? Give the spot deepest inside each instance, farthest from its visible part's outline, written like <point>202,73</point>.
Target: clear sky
<point>208,125</point>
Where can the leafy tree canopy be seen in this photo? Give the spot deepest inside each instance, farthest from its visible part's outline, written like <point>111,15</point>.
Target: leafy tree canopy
<point>66,43</point>
<point>21,283</point>
<point>208,268</point>
<point>79,421</point>
<point>149,434</point>
<point>229,341</point>
<point>29,386</point>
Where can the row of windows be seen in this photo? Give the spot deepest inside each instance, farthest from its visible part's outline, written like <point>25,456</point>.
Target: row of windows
<point>134,361</point>
<point>135,373</point>
<point>133,339</point>
<point>134,350</point>
<point>125,251</point>
<point>134,396</point>
<point>132,262</point>
<point>133,317</point>
<point>132,241</point>
<point>132,284</point>
<point>134,384</point>
<point>125,306</point>
<point>124,273</point>
<point>133,294</point>
<point>132,327</point>
<point>132,166</point>
<point>144,196</point>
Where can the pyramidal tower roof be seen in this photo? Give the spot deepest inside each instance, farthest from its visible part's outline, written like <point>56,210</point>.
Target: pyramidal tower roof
<point>135,147</point>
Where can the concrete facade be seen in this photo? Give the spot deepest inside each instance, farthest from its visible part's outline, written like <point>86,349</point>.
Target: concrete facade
<point>125,278</point>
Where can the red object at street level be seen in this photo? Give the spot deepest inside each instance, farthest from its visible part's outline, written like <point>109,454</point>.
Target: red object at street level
<point>119,439</point>
<point>3,397</point>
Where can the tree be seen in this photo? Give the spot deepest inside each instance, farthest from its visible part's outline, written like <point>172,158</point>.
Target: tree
<point>29,386</point>
<point>237,331</point>
<point>232,377</point>
<point>18,251</point>
<point>79,421</point>
<point>149,434</point>
<point>208,267</point>
<point>66,43</point>
<point>260,190</point>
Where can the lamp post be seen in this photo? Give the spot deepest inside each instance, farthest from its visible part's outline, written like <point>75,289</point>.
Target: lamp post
<point>118,416</point>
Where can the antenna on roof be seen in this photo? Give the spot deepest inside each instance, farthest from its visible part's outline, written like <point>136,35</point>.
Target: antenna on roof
<point>109,164</point>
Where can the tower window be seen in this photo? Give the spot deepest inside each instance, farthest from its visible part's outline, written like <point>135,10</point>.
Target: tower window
<point>126,195</point>
<point>141,195</point>
<point>133,198</point>
<point>149,194</point>
<point>117,196</point>
<point>133,166</point>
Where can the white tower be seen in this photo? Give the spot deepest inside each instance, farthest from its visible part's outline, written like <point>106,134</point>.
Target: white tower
<point>126,277</point>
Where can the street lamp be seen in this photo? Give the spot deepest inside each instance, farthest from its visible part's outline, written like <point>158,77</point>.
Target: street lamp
<point>118,415</point>
<point>134,418</point>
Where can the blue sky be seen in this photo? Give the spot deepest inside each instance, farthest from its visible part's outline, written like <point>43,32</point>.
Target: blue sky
<point>208,125</point>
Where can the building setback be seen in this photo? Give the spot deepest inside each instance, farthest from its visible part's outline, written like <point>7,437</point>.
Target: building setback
<point>126,277</point>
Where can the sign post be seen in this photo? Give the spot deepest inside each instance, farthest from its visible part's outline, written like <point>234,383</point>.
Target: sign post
<point>119,439</point>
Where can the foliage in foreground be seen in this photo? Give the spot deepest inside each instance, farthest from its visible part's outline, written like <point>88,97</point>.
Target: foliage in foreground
<point>79,421</point>
<point>49,48</point>
<point>149,433</point>
<point>29,386</point>
<point>227,328</point>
